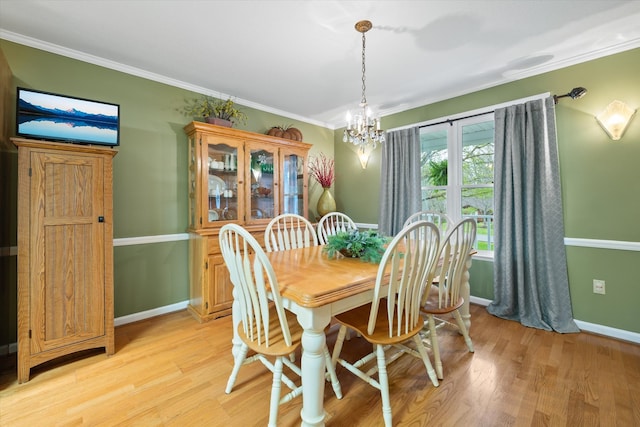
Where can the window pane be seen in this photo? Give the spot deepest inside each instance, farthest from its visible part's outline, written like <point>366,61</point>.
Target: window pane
<point>477,153</point>
<point>477,203</point>
<point>433,157</point>
<point>434,200</point>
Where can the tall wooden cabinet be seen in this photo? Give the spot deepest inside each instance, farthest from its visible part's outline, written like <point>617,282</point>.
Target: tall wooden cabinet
<point>65,251</point>
<point>240,177</point>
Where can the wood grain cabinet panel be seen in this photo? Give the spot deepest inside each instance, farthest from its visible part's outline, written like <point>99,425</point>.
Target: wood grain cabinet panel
<point>65,251</point>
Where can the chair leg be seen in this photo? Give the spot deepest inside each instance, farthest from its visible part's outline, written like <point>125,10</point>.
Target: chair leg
<point>337,348</point>
<point>425,359</point>
<point>242,354</point>
<point>332,373</point>
<point>275,392</point>
<point>463,330</point>
<point>384,385</point>
<point>434,345</point>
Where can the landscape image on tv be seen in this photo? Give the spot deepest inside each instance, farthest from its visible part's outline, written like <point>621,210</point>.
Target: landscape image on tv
<point>63,118</point>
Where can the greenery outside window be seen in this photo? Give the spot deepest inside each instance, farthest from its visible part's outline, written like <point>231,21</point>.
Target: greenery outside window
<point>457,172</point>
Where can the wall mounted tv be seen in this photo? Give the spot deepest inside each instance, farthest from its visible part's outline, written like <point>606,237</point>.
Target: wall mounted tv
<point>61,118</point>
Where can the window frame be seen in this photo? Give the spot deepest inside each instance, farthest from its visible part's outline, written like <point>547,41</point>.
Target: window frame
<point>446,120</point>
<point>455,185</point>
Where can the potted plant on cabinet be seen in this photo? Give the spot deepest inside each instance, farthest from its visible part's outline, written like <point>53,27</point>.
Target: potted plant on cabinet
<point>214,111</point>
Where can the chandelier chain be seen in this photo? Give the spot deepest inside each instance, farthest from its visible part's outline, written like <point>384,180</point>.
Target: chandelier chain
<point>364,86</point>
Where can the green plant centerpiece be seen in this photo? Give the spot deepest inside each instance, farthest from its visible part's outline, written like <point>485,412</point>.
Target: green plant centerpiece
<point>209,107</point>
<point>367,245</point>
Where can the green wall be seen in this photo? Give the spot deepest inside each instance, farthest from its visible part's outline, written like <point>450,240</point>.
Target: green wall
<point>150,174</point>
<point>600,180</point>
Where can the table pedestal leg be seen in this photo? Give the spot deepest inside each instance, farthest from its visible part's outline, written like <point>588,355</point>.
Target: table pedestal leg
<point>313,367</point>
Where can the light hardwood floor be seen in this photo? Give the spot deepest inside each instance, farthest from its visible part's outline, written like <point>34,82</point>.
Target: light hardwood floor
<point>171,371</point>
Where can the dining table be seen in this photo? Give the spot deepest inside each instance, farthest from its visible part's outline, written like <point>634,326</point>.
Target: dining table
<point>316,287</point>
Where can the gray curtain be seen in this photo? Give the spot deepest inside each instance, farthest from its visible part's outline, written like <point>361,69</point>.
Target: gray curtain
<point>400,179</point>
<point>530,269</point>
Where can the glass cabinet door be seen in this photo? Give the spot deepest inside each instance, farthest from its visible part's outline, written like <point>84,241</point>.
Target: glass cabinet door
<point>222,183</point>
<point>263,176</point>
<point>293,179</point>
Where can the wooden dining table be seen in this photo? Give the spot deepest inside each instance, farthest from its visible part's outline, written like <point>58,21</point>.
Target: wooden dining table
<point>315,288</point>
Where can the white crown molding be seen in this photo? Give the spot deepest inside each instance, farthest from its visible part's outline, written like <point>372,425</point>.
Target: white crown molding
<point>530,72</point>
<point>106,63</point>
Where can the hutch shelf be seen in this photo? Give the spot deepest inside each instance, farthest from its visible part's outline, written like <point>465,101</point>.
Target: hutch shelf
<point>240,177</point>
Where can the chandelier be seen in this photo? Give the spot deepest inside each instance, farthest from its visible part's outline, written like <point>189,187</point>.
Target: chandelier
<point>363,129</point>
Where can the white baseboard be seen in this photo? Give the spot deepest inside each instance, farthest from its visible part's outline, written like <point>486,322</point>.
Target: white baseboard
<point>620,334</point>
<point>607,331</point>
<point>479,301</point>
<point>130,318</point>
<point>118,321</point>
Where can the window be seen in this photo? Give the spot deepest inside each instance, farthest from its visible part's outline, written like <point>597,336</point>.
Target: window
<point>457,172</point>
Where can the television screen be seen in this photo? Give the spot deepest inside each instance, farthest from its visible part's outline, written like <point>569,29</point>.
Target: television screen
<point>61,118</point>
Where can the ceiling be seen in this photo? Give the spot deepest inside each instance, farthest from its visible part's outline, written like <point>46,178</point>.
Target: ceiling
<point>302,59</point>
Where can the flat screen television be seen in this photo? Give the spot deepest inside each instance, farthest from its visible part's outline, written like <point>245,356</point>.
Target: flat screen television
<point>61,118</point>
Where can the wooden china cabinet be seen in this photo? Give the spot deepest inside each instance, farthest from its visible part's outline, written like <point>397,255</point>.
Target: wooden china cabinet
<point>240,177</point>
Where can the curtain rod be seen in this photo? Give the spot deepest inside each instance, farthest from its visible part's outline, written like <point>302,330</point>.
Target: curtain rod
<point>450,121</point>
<point>487,109</point>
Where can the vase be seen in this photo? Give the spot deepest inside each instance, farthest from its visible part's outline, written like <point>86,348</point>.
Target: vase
<point>326,202</point>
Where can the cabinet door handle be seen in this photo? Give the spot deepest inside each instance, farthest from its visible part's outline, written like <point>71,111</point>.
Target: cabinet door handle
<point>100,219</point>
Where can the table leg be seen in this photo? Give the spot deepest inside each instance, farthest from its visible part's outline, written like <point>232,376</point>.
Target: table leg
<point>313,322</point>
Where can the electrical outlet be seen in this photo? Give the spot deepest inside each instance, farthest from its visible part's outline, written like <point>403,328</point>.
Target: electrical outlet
<point>598,287</point>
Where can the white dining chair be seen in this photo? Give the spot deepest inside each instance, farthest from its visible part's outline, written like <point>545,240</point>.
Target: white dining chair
<point>393,317</point>
<point>444,297</point>
<point>332,224</point>
<point>441,220</point>
<point>289,231</point>
<point>265,326</point>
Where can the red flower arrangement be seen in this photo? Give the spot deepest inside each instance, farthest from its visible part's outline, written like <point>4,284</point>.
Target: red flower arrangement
<point>322,170</point>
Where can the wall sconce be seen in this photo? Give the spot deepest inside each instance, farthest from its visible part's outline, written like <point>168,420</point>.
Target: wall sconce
<point>615,118</point>
<point>363,155</point>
